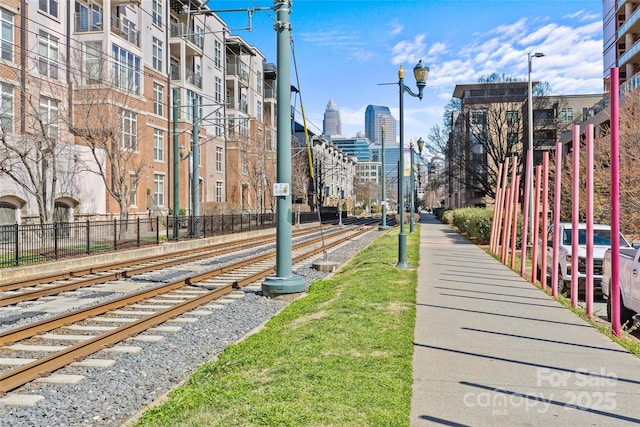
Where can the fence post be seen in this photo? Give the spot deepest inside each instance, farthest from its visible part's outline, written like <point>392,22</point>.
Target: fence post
<point>16,246</point>
<point>158,230</point>
<point>115,233</point>
<point>138,232</point>
<point>88,238</point>
<point>55,240</point>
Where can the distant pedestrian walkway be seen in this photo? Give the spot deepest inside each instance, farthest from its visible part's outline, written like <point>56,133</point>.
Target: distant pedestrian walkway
<point>491,349</point>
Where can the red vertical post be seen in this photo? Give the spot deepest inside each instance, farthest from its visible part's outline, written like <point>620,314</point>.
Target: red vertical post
<point>525,214</point>
<point>535,246</point>
<point>589,191</point>
<point>505,228</point>
<point>494,223</point>
<point>514,226</point>
<point>557,194</point>
<point>509,210</point>
<point>614,294</point>
<point>545,218</point>
<point>575,206</point>
<point>505,171</point>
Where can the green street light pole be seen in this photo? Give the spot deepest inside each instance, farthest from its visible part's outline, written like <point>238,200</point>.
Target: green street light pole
<point>420,72</point>
<point>284,281</point>
<point>412,219</point>
<point>176,186</point>
<point>384,225</point>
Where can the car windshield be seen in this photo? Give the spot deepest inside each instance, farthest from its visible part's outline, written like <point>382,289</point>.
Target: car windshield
<point>600,237</point>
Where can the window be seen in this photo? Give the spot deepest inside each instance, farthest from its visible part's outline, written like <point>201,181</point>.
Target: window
<point>6,108</point>
<point>259,111</point>
<point>156,12</point>
<point>133,188</point>
<point>193,99</point>
<point>218,191</point>
<point>219,124</point>
<point>512,118</point>
<point>158,145</point>
<point>129,130</point>
<point>245,163</point>
<point>126,69</point>
<point>218,159</point>
<point>478,117</point>
<point>217,58</point>
<point>88,17</point>
<point>157,54</point>
<point>49,117</point>
<point>6,42</point>
<point>158,189</point>
<point>48,49</point>
<point>158,96</point>
<point>50,7</point>
<point>566,115</point>
<point>93,62</point>
<point>218,90</point>
<point>259,82</point>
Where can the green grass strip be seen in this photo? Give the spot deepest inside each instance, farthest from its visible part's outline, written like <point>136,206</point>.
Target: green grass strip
<point>342,355</point>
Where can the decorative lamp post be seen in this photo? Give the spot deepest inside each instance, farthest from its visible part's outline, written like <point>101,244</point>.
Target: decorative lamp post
<point>420,72</point>
<point>384,225</point>
<point>412,186</point>
<point>529,176</point>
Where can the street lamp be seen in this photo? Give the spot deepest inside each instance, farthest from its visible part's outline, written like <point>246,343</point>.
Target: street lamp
<point>414,193</point>
<point>530,156</point>
<point>384,225</point>
<point>420,72</point>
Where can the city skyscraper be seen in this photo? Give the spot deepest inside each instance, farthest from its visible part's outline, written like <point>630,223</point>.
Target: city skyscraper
<point>374,117</point>
<point>331,124</point>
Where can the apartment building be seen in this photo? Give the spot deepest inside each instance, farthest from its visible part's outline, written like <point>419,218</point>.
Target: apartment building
<point>335,174</point>
<point>102,99</point>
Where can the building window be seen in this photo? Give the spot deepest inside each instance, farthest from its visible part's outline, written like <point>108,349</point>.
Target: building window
<point>50,7</point>
<point>259,110</point>
<point>217,58</point>
<point>126,69</point>
<point>157,54</point>
<point>129,130</point>
<point>48,60</point>
<point>478,117</point>
<point>6,108</point>
<point>218,191</point>
<point>219,124</point>
<point>259,83</point>
<point>156,12</point>
<point>93,62</point>
<point>566,115</point>
<point>245,163</point>
<point>133,189</point>
<point>512,118</point>
<point>88,17</point>
<point>218,159</point>
<point>158,145</point>
<point>218,90</point>
<point>158,97</point>
<point>193,99</point>
<point>158,189</point>
<point>6,20</point>
<point>49,117</point>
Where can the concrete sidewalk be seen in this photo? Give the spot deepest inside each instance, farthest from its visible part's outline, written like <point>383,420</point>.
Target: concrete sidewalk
<point>491,349</point>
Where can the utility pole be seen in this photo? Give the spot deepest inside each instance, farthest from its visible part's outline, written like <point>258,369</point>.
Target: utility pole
<point>284,281</point>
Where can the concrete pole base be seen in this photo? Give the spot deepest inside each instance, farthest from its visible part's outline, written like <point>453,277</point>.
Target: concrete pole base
<point>274,285</point>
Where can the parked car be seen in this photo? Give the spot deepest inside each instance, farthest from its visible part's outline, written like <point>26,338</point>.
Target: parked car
<point>601,242</point>
<point>629,281</point>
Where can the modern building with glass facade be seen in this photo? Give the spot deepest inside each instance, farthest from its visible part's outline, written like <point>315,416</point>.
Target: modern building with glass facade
<point>374,117</point>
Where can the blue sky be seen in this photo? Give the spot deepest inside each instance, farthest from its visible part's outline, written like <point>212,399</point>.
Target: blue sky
<point>345,49</point>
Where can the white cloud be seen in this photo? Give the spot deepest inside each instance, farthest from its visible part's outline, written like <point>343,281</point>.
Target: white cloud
<point>409,51</point>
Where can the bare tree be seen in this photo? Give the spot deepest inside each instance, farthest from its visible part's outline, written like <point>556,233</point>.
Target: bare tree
<point>105,119</point>
<point>629,181</point>
<point>30,157</point>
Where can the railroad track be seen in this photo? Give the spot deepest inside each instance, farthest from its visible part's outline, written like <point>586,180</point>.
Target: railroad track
<point>180,296</point>
<point>54,284</point>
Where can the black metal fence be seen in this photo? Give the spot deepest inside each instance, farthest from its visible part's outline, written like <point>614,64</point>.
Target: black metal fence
<point>22,244</point>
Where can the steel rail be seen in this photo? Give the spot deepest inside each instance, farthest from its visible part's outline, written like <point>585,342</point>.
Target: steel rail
<point>29,372</point>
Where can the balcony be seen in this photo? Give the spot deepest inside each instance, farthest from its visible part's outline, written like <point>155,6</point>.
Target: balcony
<point>126,30</point>
<point>238,69</point>
<point>84,23</point>
<point>180,30</point>
<point>195,79</point>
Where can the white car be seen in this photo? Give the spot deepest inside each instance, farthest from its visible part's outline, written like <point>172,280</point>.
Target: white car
<point>601,242</point>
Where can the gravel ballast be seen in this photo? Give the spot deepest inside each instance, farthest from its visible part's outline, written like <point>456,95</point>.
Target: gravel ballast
<point>112,396</point>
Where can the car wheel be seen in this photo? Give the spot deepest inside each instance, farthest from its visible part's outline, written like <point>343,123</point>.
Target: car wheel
<point>626,315</point>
